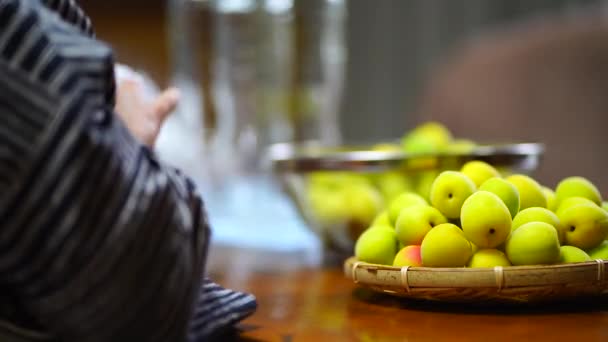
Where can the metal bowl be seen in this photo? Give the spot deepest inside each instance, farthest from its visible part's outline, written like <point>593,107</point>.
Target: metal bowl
<point>294,164</point>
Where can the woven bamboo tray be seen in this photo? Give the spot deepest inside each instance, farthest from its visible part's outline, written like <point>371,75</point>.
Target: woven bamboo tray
<point>514,284</point>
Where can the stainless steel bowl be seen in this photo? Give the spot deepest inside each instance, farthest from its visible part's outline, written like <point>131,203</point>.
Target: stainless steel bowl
<point>293,165</point>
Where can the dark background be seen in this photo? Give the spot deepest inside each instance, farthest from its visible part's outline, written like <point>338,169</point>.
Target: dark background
<point>551,89</point>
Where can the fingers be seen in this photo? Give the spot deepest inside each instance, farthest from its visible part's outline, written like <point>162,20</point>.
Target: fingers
<point>165,104</point>
<point>128,99</point>
<point>144,118</point>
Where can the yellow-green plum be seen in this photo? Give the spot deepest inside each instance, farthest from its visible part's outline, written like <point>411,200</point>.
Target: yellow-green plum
<point>391,184</point>
<point>537,214</point>
<point>479,171</point>
<point>488,258</point>
<point>534,243</point>
<point>550,196</point>
<point>328,208</point>
<point>415,222</point>
<point>572,201</point>
<point>404,200</point>
<point>459,146</point>
<point>445,246</point>
<point>485,220</point>
<point>336,198</point>
<point>577,187</point>
<point>474,248</point>
<point>571,254</point>
<point>408,256</point>
<point>336,180</point>
<point>530,192</point>
<point>586,225</point>
<point>377,245</point>
<point>427,137</point>
<point>605,205</point>
<point>599,252</point>
<point>382,219</point>
<point>364,204</point>
<point>424,181</point>
<point>506,191</point>
<point>435,129</point>
<point>449,191</point>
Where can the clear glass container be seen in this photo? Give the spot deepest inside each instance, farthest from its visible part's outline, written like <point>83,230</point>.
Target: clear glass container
<point>252,73</point>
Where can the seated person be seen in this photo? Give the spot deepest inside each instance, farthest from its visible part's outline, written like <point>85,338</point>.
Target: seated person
<point>99,241</point>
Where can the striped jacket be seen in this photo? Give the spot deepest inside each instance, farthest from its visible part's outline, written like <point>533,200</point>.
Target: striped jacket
<point>99,241</point>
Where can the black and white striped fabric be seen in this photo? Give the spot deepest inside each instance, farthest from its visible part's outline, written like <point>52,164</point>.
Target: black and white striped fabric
<point>70,12</point>
<point>98,240</point>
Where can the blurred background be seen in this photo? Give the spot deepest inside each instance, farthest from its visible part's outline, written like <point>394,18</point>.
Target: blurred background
<point>491,70</point>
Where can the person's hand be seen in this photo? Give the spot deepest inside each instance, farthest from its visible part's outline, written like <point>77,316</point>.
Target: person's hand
<point>143,114</point>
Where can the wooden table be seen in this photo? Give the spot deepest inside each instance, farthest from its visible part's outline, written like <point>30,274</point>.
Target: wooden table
<point>306,302</point>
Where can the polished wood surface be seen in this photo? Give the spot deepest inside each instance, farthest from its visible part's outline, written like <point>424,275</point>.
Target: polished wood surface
<point>307,302</point>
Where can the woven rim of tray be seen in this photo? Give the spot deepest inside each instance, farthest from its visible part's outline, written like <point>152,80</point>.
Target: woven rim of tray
<point>408,278</point>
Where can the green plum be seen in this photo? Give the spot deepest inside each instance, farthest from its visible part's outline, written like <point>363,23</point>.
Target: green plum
<point>485,220</point>
<point>364,204</point>
<point>534,243</point>
<point>550,196</point>
<point>377,245</point>
<point>328,208</point>
<point>488,258</point>
<point>572,201</point>
<point>599,252</point>
<point>474,248</point>
<point>424,181</point>
<point>427,137</point>
<point>445,246</point>
<point>449,191</point>
<point>382,219</point>
<point>334,180</point>
<point>577,187</point>
<point>506,191</point>
<point>404,200</point>
<point>479,171</point>
<point>571,254</point>
<point>460,146</point>
<point>586,225</point>
<point>415,222</point>
<point>530,192</point>
<point>391,184</point>
<point>537,214</point>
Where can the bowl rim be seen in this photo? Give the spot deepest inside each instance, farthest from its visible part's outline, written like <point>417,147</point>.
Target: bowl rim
<point>307,157</point>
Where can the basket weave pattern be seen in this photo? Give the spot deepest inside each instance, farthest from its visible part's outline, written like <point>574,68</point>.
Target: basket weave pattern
<point>500,284</point>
